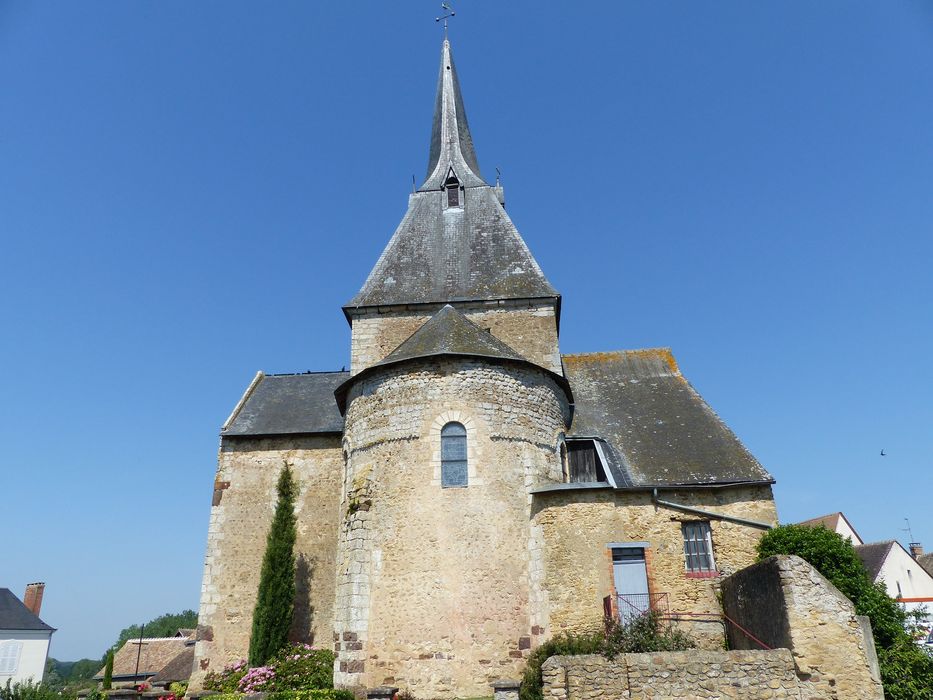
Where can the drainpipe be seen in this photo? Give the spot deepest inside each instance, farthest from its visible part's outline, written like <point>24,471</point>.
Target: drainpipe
<point>708,513</point>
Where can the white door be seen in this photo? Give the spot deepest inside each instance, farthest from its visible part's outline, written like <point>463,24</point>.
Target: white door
<point>631,581</point>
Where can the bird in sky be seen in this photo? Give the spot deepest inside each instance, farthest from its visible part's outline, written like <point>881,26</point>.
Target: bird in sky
<point>883,454</point>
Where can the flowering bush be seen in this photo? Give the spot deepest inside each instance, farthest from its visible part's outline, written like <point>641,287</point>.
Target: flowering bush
<point>228,680</point>
<point>296,667</point>
<point>303,667</point>
<point>257,680</point>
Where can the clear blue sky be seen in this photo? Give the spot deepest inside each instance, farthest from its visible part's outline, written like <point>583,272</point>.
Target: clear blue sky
<point>190,190</point>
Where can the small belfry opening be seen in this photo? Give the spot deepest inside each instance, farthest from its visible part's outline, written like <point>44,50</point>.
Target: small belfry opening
<point>452,185</point>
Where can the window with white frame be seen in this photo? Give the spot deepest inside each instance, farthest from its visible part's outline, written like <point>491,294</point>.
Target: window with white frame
<point>9,656</point>
<point>698,548</point>
<point>453,455</point>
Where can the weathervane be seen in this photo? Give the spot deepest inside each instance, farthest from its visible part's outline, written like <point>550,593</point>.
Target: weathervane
<point>450,13</point>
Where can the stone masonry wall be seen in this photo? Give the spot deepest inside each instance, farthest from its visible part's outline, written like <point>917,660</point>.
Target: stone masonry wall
<point>785,602</point>
<point>529,328</point>
<point>243,504</point>
<point>737,675</point>
<point>433,592</point>
<point>577,526</point>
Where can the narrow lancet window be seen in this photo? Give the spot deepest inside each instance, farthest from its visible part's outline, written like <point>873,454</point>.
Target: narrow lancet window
<point>453,455</point>
<point>453,191</point>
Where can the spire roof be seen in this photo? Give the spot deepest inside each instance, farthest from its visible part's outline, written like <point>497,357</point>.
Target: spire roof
<point>453,249</point>
<point>451,142</point>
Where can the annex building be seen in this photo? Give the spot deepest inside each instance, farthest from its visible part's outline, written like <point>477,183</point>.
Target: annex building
<point>468,491</point>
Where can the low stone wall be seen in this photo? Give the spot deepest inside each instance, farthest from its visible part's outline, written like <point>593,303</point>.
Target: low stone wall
<point>737,675</point>
<point>785,602</point>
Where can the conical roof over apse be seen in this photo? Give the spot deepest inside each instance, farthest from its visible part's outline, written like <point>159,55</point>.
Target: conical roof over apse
<point>441,253</point>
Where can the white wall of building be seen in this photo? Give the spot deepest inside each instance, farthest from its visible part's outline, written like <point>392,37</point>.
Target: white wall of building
<point>906,579</point>
<point>29,650</point>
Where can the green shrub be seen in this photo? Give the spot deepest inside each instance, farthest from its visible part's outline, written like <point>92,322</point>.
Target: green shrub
<point>906,671</point>
<point>108,671</point>
<point>563,645</point>
<point>27,691</point>
<point>275,600</point>
<point>302,667</point>
<point>642,634</point>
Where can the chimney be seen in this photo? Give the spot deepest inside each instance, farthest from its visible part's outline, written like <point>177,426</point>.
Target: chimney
<point>33,597</point>
<point>916,549</point>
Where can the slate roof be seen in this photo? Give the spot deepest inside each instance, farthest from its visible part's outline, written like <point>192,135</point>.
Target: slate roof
<point>449,332</point>
<point>830,522</point>
<point>451,141</point>
<point>289,404</point>
<point>14,615</point>
<point>438,254</point>
<point>156,653</point>
<point>178,669</point>
<point>659,430</point>
<point>873,555</point>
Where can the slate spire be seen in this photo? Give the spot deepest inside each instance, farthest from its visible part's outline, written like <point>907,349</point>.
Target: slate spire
<point>455,243</point>
<point>451,142</point>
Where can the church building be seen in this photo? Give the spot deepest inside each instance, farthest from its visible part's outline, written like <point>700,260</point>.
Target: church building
<point>467,491</point>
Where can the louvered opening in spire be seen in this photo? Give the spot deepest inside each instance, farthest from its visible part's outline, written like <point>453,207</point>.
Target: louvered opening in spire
<point>451,142</point>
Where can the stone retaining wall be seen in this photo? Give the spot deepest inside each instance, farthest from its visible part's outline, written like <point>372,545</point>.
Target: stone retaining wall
<point>785,602</point>
<point>737,675</point>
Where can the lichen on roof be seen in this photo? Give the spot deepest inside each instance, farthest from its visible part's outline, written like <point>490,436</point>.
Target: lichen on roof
<point>660,430</point>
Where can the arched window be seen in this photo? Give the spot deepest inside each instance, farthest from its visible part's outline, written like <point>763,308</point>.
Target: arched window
<point>453,455</point>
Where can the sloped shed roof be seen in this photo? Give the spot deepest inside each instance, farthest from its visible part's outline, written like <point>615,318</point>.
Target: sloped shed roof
<point>660,430</point>
<point>178,669</point>
<point>289,404</point>
<point>155,654</point>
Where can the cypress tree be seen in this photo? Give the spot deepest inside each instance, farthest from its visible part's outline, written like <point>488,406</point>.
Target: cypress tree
<point>272,616</point>
<point>108,671</point>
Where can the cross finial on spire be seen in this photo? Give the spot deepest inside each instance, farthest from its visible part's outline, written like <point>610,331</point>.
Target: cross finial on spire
<point>450,13</point>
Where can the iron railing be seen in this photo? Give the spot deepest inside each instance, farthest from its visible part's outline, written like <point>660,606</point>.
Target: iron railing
<point>626,606</point>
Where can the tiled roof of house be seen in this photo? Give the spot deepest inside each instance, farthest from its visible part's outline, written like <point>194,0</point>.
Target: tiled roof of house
<point>926,561</point>
<point>659,429</point>
<point>156,652</point>
<point>289,404</point>
<point>831,522</point>
<point>177,669</point>
<point>873,555</point>
<point>14,615</point>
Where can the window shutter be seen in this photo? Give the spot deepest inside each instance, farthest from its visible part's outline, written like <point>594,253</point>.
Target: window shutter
<point>9,656</point>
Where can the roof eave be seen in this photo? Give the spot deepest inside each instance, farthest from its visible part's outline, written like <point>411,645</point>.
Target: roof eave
<point>350,310</point>
<point>605,486</point>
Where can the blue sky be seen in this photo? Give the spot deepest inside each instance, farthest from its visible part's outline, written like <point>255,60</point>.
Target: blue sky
<point>190,191</point>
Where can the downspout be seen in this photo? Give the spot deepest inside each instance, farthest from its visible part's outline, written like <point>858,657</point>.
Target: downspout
<point>708,513</point>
